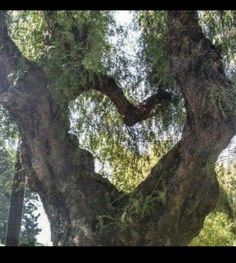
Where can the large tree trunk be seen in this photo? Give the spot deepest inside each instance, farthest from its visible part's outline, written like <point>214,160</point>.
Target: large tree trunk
<point>85,209</point>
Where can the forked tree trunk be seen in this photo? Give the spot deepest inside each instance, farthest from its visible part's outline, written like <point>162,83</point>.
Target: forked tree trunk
<point>169,207</point>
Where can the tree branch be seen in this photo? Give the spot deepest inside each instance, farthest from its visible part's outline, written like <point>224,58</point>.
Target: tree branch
<point>19,77</point>
<point>208,129</point>
<point>183,183</point>
<point>107,85</point>
<point>131,114</point>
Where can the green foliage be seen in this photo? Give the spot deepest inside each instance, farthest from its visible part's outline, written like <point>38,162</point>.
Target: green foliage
<point>132,168</point>
<point>219,26</point>
<point>218,230</point>
<point>157,64</point>
<point>8,130</point>
<point>227,180</point>
<point>153,26</point>
<point>68,44</point>
<point>27,29</point>
<point>74,47</point>
<point>222,100</point>
<point>30,228</point>
<point>125,153</point>
<point>134,210</point>
<point>220,226</point>
<point>6,174</point>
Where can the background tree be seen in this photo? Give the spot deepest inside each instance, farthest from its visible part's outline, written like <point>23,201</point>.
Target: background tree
<point>16,204</point>
<point>6,171</point>
<point>59,65</point>
<point>29,229</point>
<point>30,226</point>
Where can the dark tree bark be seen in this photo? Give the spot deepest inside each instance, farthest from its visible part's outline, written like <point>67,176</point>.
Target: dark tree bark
<point>83,208</point>
<point>16,205</point>
<point>131,114</point>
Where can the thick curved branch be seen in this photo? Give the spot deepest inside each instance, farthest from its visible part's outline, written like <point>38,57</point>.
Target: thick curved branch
<point>105,84</point>
<point>131,114</point>
<point>183,184</point>
<point>196,62</point>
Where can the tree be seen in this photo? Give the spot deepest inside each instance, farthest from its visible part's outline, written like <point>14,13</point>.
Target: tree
<point>29,229</point>
<point>6,172</point>
<point>16,205</point>
<point>64,61</point>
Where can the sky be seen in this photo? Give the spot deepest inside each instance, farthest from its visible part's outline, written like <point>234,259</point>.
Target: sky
<point>44,237</point>
<point>124,18</point>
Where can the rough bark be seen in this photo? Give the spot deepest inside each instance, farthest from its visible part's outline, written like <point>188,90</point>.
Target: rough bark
<point>85,209</point>
<point>57,169</point>
<point>16,205</point>
<point>186,174</point>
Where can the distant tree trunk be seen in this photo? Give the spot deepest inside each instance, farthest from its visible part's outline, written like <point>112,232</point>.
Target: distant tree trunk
<point>16,205</point>
<point>85,209</point>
